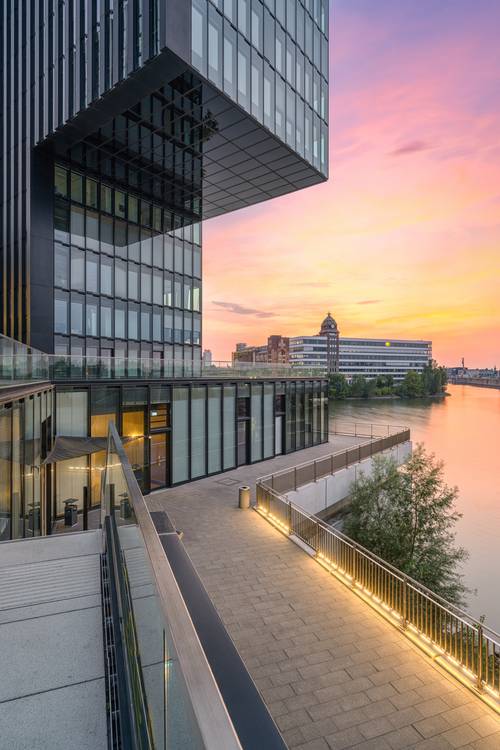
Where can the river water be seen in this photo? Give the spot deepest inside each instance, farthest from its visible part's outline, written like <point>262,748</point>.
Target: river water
<point>463,430</point>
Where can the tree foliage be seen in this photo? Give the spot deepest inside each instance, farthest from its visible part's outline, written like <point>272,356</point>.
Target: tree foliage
<point>339,387</point>
<point>434,378</point>
<point>407,516</point>
<point>431,381</point>
<point>412,385</point>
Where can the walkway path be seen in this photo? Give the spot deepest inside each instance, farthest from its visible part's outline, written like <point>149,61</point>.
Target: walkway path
<point>333,673</point>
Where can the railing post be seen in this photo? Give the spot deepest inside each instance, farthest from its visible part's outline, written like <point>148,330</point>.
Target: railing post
<point>85,508</point>
<point>404,613</point>
<point>354,560</point>
<point>480,658</point>
<point>295,478</point>
<point>289,517</point>
<point>111,499</point>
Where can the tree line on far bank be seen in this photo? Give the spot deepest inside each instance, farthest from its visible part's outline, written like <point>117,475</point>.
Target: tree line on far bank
<point>431,381</point>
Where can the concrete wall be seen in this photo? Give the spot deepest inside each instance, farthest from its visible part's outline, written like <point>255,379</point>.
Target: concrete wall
<point>318,496</point>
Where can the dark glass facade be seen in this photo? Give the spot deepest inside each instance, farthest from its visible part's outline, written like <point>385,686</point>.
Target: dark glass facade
<point>145,117</point>
<point>122,127</point>
<point>126,282</point>
<point>180,431</point>
<point>271,56</point>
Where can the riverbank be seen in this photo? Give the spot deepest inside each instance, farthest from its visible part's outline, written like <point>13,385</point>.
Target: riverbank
<point>393,397</point>
<point>463,432</point>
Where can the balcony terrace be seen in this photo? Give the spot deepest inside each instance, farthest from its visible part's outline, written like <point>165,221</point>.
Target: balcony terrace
<point>22,364</point>
<point>75,368</point>
<point>333,672</point>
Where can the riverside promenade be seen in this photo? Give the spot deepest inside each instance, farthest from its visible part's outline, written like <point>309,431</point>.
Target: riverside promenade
<point>333,673</point>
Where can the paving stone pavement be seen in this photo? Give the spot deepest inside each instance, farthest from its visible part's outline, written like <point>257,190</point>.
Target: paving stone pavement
<point>333,673</point>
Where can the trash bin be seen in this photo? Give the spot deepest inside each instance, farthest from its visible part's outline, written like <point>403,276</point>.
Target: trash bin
<point>70,512</point>
<point>125,507</point>
<point>244,497</point>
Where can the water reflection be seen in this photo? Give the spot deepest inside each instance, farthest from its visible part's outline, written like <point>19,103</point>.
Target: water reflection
<point>464,431</point>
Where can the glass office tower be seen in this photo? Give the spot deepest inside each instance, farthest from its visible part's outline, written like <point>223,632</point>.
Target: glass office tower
<point>123,126</point>
<point>145,117</point>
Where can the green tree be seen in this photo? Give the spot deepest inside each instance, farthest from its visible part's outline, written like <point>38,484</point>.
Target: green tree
<point>434,379</point>
<point>339,387</point>
<point>407,516</point>
<point>385,382</point>
<point>412,385</point>
<point>369,388</point>
<point>358,386</point>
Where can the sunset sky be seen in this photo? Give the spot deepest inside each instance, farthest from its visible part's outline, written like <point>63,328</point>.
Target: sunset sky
<point>404,239</point>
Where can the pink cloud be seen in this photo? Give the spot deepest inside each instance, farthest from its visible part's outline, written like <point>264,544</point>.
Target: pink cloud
<point>418,233</point>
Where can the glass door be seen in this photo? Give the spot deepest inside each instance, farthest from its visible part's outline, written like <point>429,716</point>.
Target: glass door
<point>243,442</point>
<point>278,435</point>
<point>159,465</point>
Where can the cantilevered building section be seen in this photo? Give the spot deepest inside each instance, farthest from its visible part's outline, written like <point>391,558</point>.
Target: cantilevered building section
<point>123,126</point>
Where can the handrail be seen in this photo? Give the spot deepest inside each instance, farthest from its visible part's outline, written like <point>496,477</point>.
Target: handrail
<point>368,427</point>
<point>213,721</point>
<point>135,727</point>
<point>76,367</point>
<point>21,362</point>
<point>457,637</point>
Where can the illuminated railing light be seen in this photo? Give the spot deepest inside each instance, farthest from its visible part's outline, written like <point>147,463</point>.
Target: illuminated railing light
<point>384,596</point>
<point>492,692</point>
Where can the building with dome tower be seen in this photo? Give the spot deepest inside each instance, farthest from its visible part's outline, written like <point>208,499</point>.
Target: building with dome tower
<point>370,358</point>
<point>329,353</point>
<point>329,330</point>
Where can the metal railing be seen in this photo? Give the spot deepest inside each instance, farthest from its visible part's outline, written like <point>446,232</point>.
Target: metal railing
<point>381,438</point>
<point>364,429</point>
<point>133,730</point>
<point>167,694</point>
<point>461,643</point>
<point>66,367</point>
<point>20,363</point>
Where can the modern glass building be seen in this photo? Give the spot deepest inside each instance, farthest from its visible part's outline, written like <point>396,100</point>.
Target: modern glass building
<point>370,358</point>
<point>145,117</point>
<point>26,436</point>
<point>183,430</point>
<point>123,126</point>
